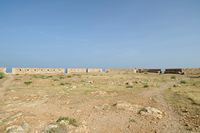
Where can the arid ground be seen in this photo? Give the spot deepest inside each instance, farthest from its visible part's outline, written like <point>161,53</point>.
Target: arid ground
<point>100,103</point>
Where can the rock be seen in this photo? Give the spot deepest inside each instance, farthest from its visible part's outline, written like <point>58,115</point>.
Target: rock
<point>102,107</point>
<point>13,118</point>
<point>15,129</point>
<point>129,83</point>
<point>127,106</point>
<point>150,111</point>
<point>91,82</point>
<point>74,87</point>
<point>24,128</point>
<point>106,107</point>
<point>55,128</point>
<point>176,85</point>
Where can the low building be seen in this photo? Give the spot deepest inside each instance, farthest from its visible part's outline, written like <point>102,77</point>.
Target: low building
<point>38,70</point>
<point>2,69</point>
<point>77,70</point>
<point>94,70</point>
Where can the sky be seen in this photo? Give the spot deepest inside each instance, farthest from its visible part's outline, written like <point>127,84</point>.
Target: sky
<point>100,33</point>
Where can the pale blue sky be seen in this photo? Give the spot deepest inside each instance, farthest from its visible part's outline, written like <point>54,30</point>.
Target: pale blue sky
<point>100,33</point>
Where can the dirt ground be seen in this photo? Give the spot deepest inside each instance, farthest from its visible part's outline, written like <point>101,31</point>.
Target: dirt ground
<point>100,103</point>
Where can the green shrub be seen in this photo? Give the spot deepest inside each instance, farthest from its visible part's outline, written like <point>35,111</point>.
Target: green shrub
<point>2,75</point>
<point>131,120</point>
<point>28,82</point>
<point>62,83</point>
<point>183,82</point>
<point>61,77</point>
<point>173,77</point>
<point>129,86</point>
<point>42,76</point>
<point>70,121</point>
<point>146,86</point>
<point>55,79</point>
<point>69,76</point>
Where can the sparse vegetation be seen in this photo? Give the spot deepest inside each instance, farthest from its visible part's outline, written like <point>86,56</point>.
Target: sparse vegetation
<point>173,77</point>
<point>61,77</point>
<point>69,76</point>
<point>183,82</point>
<point>65,83</point>
<point>70,121</point>
<point>132,120</point>
<point>146,86</point>
<point>62,83</point>
<point>42,76</point>
<point>28,82</point>
<point>2,75</point>
<point>129,86</point>
<point>55,79</point>
<point>99,96</point>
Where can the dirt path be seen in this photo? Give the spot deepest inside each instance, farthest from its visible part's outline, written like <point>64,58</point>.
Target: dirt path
<point>154,97</point>
<point>7,81</point>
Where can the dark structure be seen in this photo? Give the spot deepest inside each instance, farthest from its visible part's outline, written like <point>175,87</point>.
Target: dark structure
<point>153,70</point>
<point>174,71</point>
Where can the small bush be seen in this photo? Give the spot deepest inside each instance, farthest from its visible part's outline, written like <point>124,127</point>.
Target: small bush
<point>42,76</point>
<point>183,82</point>
<point>28,82</point>
<point>129,86</point>
<point>131,120</point>
<point>69,76</point>
<point>173,77</point>
<point>61,77</point>
<point>62,83</point>
<point>2,75</point>
<point>142,110</point>
<point>146,86</point>
<point>70,121</point>
<point>55,79</point>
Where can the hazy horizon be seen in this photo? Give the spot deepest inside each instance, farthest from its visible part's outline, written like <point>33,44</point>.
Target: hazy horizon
<point>115,33</point>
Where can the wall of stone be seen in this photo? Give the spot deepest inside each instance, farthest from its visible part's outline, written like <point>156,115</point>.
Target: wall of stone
<point>76,70</point>
<point>38,71</point>
<point>2,69</point>
<point>191,71</point>
<point>188,71</point>
<point>122,70</point>
<point>94,70</point>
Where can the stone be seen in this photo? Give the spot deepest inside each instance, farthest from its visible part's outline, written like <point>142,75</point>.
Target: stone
<point>122,105</point>
<point>129,83</point>
<point>55,128</point>
<point>150,111</point>
<point>24,128</point>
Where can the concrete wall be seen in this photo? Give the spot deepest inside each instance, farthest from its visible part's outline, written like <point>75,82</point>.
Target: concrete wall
<point>94,70</point>
<point>38,70</point>
<point>122,70</point>
<point>77,70</point>
<point>2,69</point>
